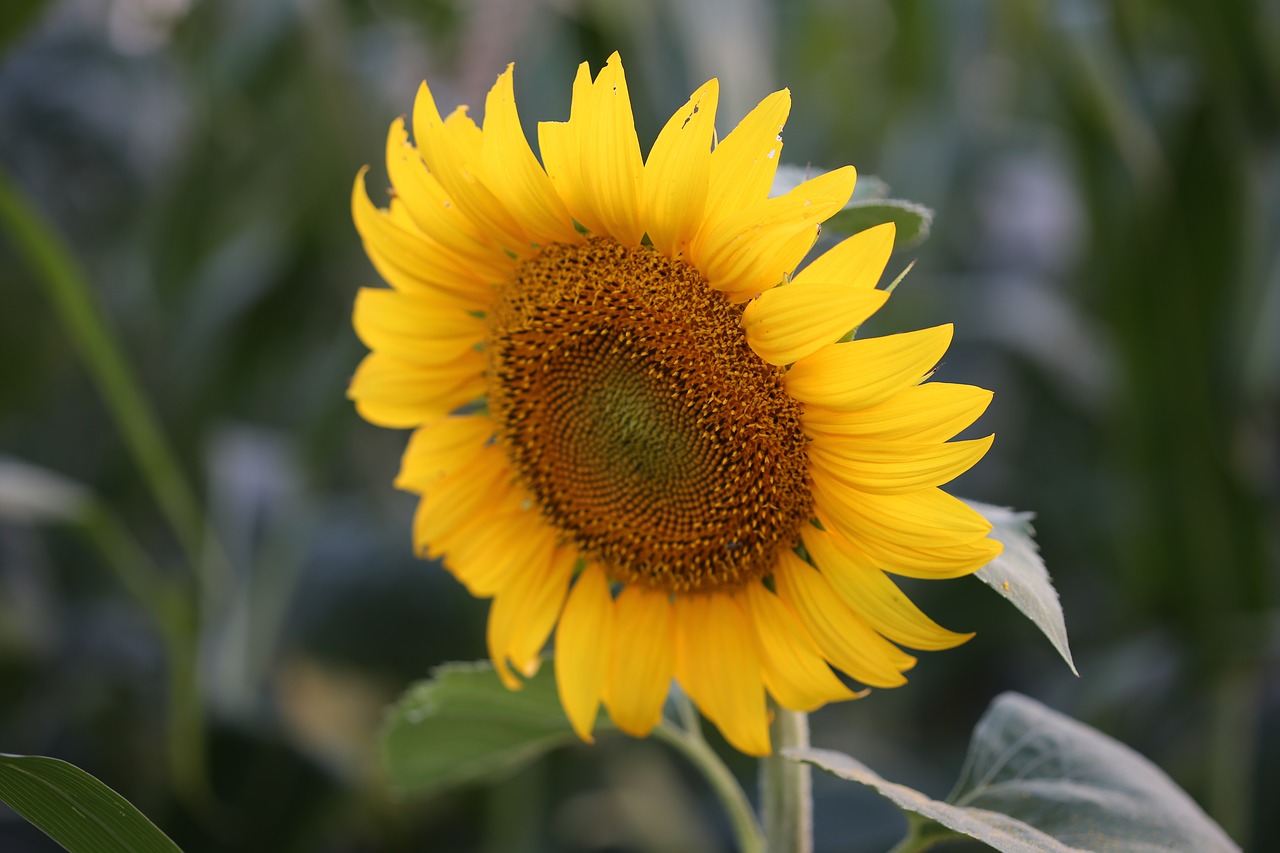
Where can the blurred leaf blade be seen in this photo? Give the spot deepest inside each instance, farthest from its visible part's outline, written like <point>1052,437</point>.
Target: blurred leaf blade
<point>462,726</point>
<point>869,206</point>
<point>869,188</point>
<point>55,266</point>
<point>75,809</point>
<point>911,219</point>
<point>789,176</point>
<point>1037,781</point>
<point>1019,574</point>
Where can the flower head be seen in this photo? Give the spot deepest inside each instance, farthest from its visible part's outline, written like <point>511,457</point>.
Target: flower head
<point>638,426</point>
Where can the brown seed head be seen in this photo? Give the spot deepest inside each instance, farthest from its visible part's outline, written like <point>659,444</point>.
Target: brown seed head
<point>649,432</point>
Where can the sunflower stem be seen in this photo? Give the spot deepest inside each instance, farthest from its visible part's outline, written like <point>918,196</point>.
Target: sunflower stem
<point>786,792</point>
<point>746,828</point>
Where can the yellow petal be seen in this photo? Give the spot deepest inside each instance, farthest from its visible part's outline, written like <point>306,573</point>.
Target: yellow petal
<point>409,260</point>
<point>394,393</point>
<point>486,548</point>
<point>675,176</point>
<point>718,661</point>
<point>895,467</point>
<point>856,261</point>
<point>844,639</point>
<point>583,642</point>
<point>465,133</point>
<point>429,206</point>
<point>412,330</point>
<point>870,594</point>
<point>642,661</point>
<point>772,264</point>
<point>752,250</point>
<point>454,499</point>
<point>933,562</point>
<point>788,323</point>
<point>744,163</point>
<point>514,175</point>
<point>452,150</point>
<point>542,611</point>
<point>934,411</point>
<point>612,170</point>
<point>861,373</point>
<point>524,612</point>
<point>795,671</point>
<point>561,143</point>
<point>442,447</point>
<point>492,267</point>
<point>925,519</point>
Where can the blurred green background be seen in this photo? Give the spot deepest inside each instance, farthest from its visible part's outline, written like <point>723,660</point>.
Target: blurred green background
<point>1106,178</point>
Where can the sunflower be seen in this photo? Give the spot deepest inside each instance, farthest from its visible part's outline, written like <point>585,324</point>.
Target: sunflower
<point>637,425</point>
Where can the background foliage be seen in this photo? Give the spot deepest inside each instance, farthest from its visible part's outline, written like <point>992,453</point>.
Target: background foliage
<point>1106,178</point>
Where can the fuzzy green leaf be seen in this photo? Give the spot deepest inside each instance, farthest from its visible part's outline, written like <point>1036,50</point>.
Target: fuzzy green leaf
<point>462,726</point>
<point>1019,574</point>
<point>869,206</point>
<point>912,220</point>
<point>1037,781</point>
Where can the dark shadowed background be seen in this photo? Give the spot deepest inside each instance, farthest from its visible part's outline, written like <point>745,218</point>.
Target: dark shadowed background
<point>1106,178</point>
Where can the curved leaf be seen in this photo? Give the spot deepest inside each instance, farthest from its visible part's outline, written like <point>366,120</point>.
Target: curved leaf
<point>1077,784</point>
<point>1037,781</point>
<point>75,809</point>
<point>869,206</point>
<point>462,726</point>
<point>911,220</point>
<point>1019,574</point>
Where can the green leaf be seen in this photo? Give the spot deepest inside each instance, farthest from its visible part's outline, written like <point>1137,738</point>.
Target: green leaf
<point>462,726</point>
<point>911,220</point>
<point>998,830</point>
<point>1019,574</point>
<point>1077,784</point>
<point>869,206</point>
<point>75,809</point>
<point>1037,781</point>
